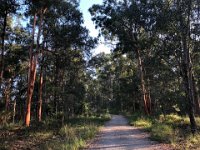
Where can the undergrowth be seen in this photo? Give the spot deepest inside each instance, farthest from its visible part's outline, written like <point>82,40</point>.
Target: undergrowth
<point>52,134</point>
<point>75,133</point>
<point>172,128</point>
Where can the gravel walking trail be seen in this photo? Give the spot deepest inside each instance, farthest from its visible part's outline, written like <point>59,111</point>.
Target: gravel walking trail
<point>118,135</point>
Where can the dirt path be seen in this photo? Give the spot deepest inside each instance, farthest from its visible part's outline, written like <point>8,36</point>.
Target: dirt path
<point>118,135</point>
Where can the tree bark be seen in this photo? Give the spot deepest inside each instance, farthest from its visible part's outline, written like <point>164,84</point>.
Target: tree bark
<point>145,92</point>
<point>31,76</point>
<point>187,67</point>
<point>31,84</point>
<point>3,46</point>
<point>14,111</point>
<point>196,97</point>
<point>40,95</point>
<point>3,43</point>
<point>41,67</point>
<point>7,94</point>
<point>55,88</point>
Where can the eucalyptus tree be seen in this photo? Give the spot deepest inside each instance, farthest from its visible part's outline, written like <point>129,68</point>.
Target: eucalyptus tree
<point>131,24</point>
<point>187,15</point>
<point>126,84</point>
<point>36,9</point>
<point>164,33</point>
<point>67,43</point>
<point>178,24</point>
<point>7,9</point>
<point>101,64</point>
<point>116,83</point>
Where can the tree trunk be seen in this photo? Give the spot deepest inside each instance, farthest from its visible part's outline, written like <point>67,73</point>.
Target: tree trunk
<point>145,92</point>
<point>7,94</point>
<point>55,88</point>
<point>14,111</point>
<point>3,46</point>
<point>40,95</point>
<point>188,82</point>
<point>187,67</point>
<point>31,76</point>
<point>189,95</point>
<point>41,68</point>
<point>31,84</point>
<point>196,97</point>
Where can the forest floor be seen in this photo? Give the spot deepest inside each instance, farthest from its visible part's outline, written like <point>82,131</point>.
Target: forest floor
<point>118,135</point>
<point>52,135</point>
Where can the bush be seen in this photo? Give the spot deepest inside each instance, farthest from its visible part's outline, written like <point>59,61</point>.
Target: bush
<point>5,116</point>
<point>170,119</point>
<point>143,122</point>
<point>162,132</point>
<point>72,137</point>
<point>193,141</point>
<point>68,133</point>
<point>87,132</point>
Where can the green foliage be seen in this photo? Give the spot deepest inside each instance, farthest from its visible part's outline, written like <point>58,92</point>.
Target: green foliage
<point>170,128</point>
<point>5,117</point>
<point>171,119</point>
<point>78,88</point>
<point>75,134</point>
<point>142,122</point>
<point>193,141</point>
<point>162,132</point>
<point>67,132</point>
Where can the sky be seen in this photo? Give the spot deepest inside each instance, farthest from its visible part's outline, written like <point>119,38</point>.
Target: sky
<point>84,6</point>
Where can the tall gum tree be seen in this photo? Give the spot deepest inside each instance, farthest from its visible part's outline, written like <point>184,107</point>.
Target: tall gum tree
<point>39,10</point>
<point>130,23</point>
<point>8,7</point>
<point>187,65</point>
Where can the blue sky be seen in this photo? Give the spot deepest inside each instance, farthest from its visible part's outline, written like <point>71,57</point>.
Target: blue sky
<point>84,6</point>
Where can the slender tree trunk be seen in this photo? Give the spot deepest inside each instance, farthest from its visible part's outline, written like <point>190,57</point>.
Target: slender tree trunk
<point>55,88</point>
<point>7,94</point>
<point>44,93</point>
<point>188,82</point>
<point>145,92</point>
<point>31,84</point>
<point>3,46</point>
<point>40,95</point>
<point>31,76</point>
<point>14,111</point>
<point>189,93</point>
<point>196,97</point>
<point>41,68</point>
<point>187,67</point>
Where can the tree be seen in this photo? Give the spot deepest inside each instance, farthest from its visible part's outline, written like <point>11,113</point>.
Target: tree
<point>7,8</point>
<point>133,32</point>
<point>158,32</point>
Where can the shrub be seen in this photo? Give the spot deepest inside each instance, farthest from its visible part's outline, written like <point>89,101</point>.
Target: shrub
<point>170,119</point>
<point>68,133</point>
<point>87,132</point>
<point>162,132</point>
<point>75,137</point>
<point>143,122</point>
<point>193,141</point>
<point>5,116</point>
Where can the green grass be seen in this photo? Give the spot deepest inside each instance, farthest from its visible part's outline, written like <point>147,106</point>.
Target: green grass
<point>72,138</point>
<point>51,135</point>
<point>162,133</point>
<point>172,128</point>
<point>75,133</point>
